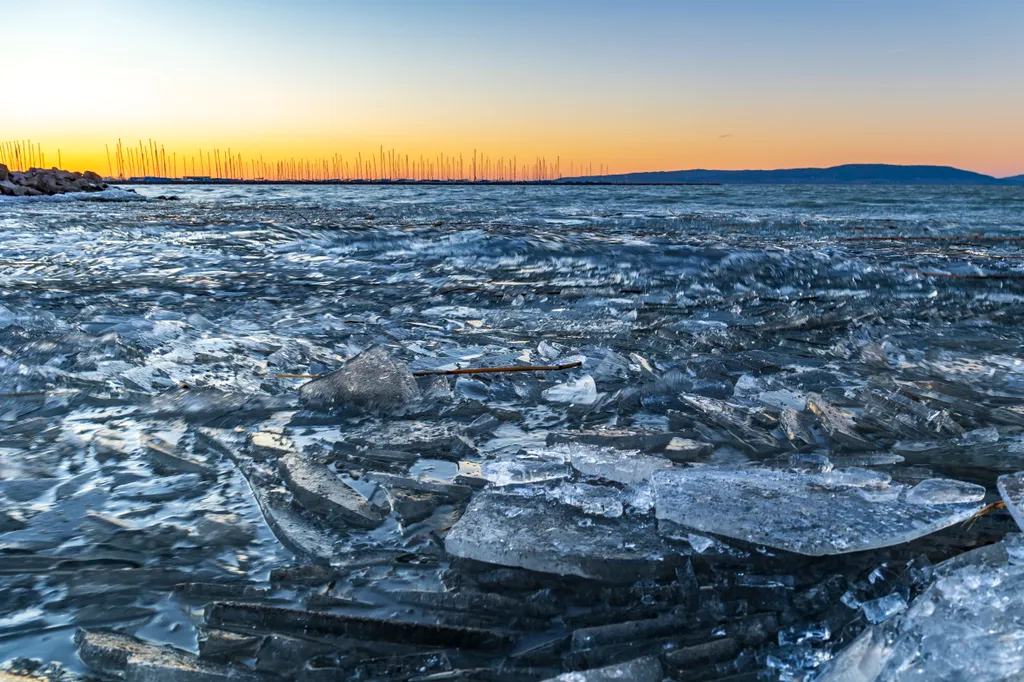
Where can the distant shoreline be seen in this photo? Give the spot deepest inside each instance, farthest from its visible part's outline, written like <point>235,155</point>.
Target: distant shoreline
<point>1008,183</point>
<point>849,174</point>
<point>398,183</point>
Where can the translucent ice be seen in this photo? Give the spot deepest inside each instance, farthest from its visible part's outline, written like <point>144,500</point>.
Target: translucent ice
<point>544,535</point>
<point>793,511</point>
<point>582,391</point>
<point>945,491</point>
<point>370,380</point>
<point>884,608</point>
<point>525,468</point>
<point>1011,487</point>
<point>593,500</point>
<point>985,436</point>
<point>966,626</point>
<point>621,466</point>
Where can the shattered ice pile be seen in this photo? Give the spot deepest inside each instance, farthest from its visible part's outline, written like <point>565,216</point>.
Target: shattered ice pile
<point>815,514</point>
<point>722,371</point>
<point>576,522</point>
<point>966,626</point>
<point>371,380</point>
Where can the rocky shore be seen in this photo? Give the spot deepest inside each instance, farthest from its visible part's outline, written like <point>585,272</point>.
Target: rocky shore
<point>39,181</point>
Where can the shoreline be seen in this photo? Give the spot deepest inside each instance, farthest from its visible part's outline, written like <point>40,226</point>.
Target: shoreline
<point>403,183</point>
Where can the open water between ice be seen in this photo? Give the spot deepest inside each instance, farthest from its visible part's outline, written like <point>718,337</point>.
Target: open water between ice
<point>778,459</point>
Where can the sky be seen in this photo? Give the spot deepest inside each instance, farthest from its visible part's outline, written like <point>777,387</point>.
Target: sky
<point>624,86</point>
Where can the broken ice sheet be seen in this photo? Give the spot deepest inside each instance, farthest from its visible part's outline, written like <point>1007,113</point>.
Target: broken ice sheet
<point>525,468</point>
<point>1011,488</point>
<point>803,513</point>
<point>544,535</point>
<point>966,626</point>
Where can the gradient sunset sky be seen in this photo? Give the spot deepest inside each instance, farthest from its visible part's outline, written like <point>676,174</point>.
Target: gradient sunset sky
<point>632,85</point>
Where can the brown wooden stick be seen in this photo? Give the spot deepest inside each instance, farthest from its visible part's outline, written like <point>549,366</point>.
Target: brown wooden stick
<point>464,370</point>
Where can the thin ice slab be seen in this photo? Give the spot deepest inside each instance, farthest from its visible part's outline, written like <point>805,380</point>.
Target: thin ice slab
<point>621,466</point>
<point>542,534</point>
<point>319,490</point>
<point>814,514</point>
<point>1011,487</point>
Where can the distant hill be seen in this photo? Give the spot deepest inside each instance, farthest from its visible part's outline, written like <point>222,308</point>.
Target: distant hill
<point>849,174</point>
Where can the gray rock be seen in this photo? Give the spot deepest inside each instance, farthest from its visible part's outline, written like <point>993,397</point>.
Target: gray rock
<point>37,181</point>
<point>10,189</point>
<point>372,380</point>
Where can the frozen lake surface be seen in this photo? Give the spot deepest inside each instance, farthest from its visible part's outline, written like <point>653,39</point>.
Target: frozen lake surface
<point>785,409</point>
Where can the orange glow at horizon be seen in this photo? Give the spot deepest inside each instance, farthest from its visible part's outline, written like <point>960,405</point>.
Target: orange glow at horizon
<point>442,157</point>
<point>620,87</point>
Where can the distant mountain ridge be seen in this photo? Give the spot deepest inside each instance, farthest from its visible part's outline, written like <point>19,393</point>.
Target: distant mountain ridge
<point>848,174</point>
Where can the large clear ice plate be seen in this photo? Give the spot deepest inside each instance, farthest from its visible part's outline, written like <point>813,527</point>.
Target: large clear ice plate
<point>813,514</point>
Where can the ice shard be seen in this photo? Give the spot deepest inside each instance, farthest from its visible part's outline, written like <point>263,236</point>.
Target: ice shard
<point>372,380</point>
<point>544,535</point>
<point>621,466</point>
<point>814,514</point>
<point>1011,487</point>
<point>318,489</point>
